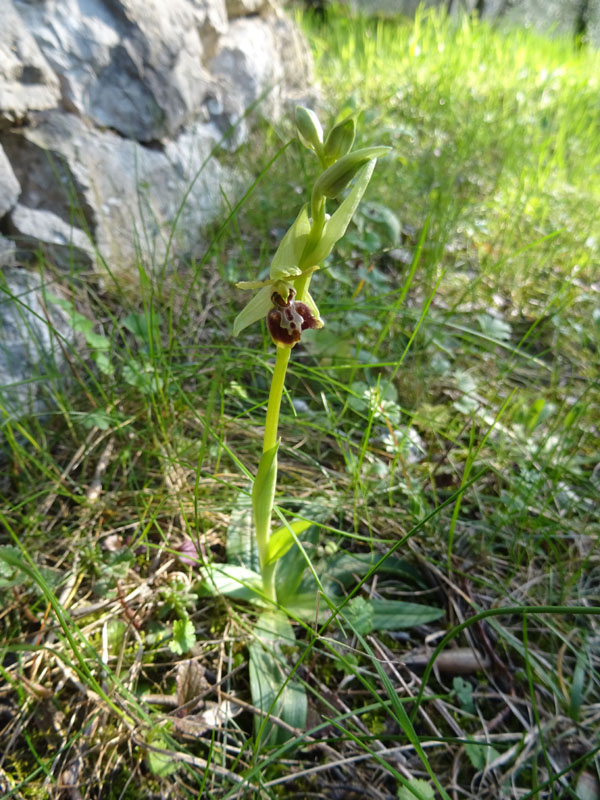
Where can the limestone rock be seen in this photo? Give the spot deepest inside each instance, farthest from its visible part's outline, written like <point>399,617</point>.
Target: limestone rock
<point>37,230</point>
<point>406,7</point>
<point>211,22</point>
<point>593,22</point>
<point>550,16</point>
<point>132,65</point>
<point>296,59</point>
<point>127,195</point>
<point>138,95</point>
<point>8,252</point>
<point>9,185</point>
<point>242,8</point>
<point>34,334</point>
<point>264,61</point>
<point>557,16</point>
<point>27,82</point>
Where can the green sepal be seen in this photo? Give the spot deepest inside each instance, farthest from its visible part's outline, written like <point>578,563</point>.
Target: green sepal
<point>340,139</point>
<point>263,495</point>
<point>336,225</point>
<point>286,259</point>
<point>336,178</point>
<point>283,539</point>
<point>309,129</point>
<point>256,309</point>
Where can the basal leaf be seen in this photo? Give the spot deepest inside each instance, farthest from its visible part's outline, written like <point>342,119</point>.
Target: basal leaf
<point>395,615</point>
<point>480,754</point>
<point>292,567</point>
<point>241,541</point>
<point>416,789</point>
<point>360,614</point>
<point>304,606</point>
<point>343,568</point>
<point>271,690</point>
<point>161,764</point>
<point>233,580</point>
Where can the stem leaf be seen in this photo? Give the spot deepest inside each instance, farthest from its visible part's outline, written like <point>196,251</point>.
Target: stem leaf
<point>282,539</point>
<point>336,226</point>
<point>263,495</point>
<point>287,257</point>
<point>336,178</point>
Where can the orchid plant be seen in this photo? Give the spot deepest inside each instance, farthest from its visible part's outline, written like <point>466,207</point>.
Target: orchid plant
<point>285,302</point>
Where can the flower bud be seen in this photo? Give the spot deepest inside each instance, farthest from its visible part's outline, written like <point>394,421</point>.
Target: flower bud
<point>334,180</point>
<point>340,139</point>
<point>309,129</point>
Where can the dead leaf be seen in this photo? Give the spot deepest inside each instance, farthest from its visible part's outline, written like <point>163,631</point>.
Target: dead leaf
<point>191,683</point>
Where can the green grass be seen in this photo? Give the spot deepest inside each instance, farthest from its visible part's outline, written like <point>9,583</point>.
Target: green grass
<point>463,313</point>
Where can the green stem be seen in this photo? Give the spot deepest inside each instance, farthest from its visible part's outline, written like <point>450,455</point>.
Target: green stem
<point>275,395</point>
<point>314,236</point>
<point>274,405</point>
<point>270,440</point>
<point>317,210</point>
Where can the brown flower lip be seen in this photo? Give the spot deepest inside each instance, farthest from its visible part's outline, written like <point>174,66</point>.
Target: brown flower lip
<point>288,318</point>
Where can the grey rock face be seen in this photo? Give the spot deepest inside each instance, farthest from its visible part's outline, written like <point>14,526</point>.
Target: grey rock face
<point>41,231</point>
<point>242,8</point>
<point>263,59</point>
<point>26,80</point>
<point>296,59</point>
<point>593,22</point>
<point>9,185</point>
<point>211,22</point>
<point>125,194</point>
<point>244,60</point>
<point>132,65</point>
<point>30,343</point>
<point>558,16</point>
<point>407,7</point>
<point>148,89</point>
<point>545,15</point>
<point>8,252</point>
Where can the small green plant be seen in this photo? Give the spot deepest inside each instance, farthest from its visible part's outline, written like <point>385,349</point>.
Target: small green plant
<point>263,565</point>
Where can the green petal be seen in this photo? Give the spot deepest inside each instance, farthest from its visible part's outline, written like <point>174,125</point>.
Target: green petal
<point>285,261</point>
<point>256,309</point>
